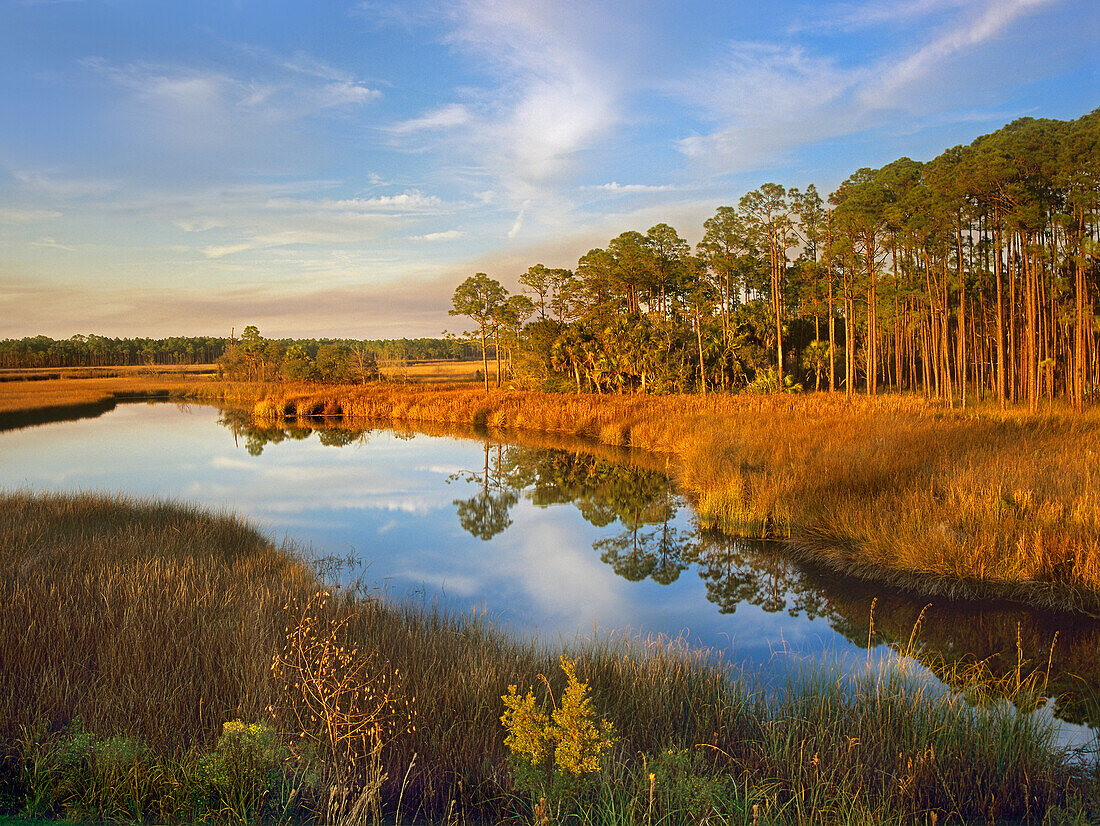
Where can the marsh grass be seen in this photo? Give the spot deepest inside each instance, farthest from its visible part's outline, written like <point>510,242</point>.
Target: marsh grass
<point>132,632</point>
<point>896,489</point>
<point>77,394</point>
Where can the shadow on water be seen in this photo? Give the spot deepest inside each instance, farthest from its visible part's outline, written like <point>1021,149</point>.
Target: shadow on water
<point>19,419</point>
<point>1007,650</point>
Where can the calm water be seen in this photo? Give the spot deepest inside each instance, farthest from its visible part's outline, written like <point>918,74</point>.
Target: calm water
<point>551,543</point>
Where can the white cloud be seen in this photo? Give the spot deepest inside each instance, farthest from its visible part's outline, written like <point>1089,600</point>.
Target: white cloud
<point>443,117</point>
<point>766,98</point>
<point>203,105</point>
<point>222,250</point>
<point>50,243</point>
<point>617,188</point>
<point>517,225</point>
<point>63,187</point>
<point>198,224</point>
<point>435,237</point>
<point>410,201</point>
<point>991,21</point>
<point>560,72</point>
<point>855,16</point>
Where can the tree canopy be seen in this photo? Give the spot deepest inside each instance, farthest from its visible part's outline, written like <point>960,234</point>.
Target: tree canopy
<point>974,275</point>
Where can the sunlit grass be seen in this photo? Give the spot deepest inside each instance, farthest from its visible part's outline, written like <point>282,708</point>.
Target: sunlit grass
<point>24,392</point>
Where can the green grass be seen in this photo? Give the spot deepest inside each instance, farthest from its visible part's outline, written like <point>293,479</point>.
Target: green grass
<point>132,631</point>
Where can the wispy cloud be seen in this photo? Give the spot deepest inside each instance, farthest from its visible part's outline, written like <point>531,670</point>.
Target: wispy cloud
<point>49,243</point>
<point>855,16</point>
<point>517,225</point>
<point>436,237</point>
<point>28,216</point>
<point>985,25</point>
<point>210,105</point>
<point>618,188</point>
<point>443,117</point>
<point>561,71</point>
<point>65,187</point>
<point>766,98</point>
<point>411,201</point>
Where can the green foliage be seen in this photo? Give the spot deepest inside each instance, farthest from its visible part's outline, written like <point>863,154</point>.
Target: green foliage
<point>79,776</point>
<point>815,360</point>
<point>556,752</point>
<point>768,381</point>
<point>244,768</point>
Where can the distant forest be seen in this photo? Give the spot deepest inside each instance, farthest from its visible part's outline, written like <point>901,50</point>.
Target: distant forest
<point>975,274</point>
<point>100,351</point>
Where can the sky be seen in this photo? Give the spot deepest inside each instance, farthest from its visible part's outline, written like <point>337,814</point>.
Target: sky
<point>336,169</point>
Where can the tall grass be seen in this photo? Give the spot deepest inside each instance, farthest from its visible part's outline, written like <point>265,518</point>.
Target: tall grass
<point>132,632</point>
<point>898,489</point>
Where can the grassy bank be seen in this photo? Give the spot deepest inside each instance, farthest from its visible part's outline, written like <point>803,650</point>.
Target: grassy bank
<point>27,398</point>
<point>132,632</point>
<point>896,489</point>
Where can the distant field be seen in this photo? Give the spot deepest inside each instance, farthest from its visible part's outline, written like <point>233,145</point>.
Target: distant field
<point>433,372</point>
<point>9,374</point>
<point>37,389</point>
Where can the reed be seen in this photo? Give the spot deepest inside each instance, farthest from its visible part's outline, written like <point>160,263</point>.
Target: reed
<point>132,633</point>
<point>894,488</point>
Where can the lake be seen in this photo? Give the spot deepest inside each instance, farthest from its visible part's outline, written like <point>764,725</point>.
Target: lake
<point>549,539</point>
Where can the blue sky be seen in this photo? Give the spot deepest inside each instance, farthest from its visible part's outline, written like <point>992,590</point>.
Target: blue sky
<point>337,168</point>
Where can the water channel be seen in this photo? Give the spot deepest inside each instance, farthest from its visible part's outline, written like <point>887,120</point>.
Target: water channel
<point>553,540</point>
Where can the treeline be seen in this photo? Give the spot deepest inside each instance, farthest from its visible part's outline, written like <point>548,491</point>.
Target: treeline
<point>334,361</point>
<point>973,275</point>
<point>100,351</point>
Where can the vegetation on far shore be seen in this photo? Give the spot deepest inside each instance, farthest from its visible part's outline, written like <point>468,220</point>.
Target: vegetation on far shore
<point>139,640</point>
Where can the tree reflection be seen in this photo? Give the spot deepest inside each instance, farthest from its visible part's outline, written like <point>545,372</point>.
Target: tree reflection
<point>486,514</point>
<point>257,437</point>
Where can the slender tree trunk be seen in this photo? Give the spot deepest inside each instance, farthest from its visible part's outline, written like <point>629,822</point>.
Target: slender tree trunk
<point>484,361</point>
<point>962,313</point>
<point>496,348</point>
<point>702,368</point>
<point>832,334</point>
<point>1000,348</point>
<point>1079,323</point>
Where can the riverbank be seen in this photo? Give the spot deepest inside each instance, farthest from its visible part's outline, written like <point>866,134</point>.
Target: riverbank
<point>31,397</point>
<point>974,504</point>
<point>132,632</point>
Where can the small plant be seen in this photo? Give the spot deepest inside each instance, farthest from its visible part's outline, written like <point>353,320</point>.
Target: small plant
<point>344,704</point>
<point>555,752</point>
<point>245,768</point>
<point>79,776</point>
<point>769,381</point>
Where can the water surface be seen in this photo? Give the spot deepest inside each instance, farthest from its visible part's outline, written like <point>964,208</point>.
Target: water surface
<point>551,543</point>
